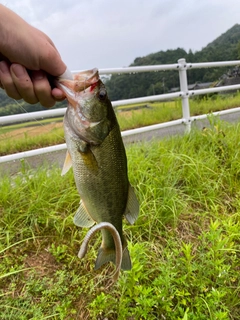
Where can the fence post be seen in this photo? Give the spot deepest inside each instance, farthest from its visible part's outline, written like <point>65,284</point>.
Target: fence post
<point>185,97</point>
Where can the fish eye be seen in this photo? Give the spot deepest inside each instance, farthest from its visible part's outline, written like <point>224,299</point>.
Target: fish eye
<point>102,94</point>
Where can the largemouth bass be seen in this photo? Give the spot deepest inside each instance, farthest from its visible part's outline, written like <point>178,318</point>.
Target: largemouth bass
<point>97,155</point>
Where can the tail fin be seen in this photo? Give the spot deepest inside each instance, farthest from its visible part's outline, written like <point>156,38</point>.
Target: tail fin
<point>126,260</point>
<point>106,255</point>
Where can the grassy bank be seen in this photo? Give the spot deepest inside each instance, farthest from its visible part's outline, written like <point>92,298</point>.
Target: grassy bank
<point>185,245</point>
<point>12,140</point>
<point>167,111</point>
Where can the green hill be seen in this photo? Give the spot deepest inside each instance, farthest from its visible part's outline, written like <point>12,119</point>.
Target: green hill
<point>225,47</point>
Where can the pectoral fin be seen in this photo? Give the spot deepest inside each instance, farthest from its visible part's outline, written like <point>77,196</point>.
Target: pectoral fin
<point>82,217</point>
<point>132,209</point>
<point>67,164</point>
<point>90,161</point>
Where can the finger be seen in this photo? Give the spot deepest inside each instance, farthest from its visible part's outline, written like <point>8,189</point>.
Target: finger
<point>43,89</point>
<point>58,94</point>
<point>2,56</point>
<point>7,82</point>
<point>23,83</point>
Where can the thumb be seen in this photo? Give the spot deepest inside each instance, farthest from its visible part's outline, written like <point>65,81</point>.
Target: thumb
<point>51,61</point>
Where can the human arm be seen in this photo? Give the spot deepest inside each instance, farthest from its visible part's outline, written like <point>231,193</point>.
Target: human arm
<point>27,56</point>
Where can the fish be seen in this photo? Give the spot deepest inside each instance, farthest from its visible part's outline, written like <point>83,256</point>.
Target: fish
<point>97,155</point>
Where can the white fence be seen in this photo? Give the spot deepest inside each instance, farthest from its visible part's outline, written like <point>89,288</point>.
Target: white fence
<point>182,66</point>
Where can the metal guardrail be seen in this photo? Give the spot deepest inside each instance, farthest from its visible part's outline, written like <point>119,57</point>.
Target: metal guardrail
<point>182,66</point>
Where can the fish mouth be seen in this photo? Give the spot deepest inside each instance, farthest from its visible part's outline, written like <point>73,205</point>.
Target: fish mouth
<point>79,90</point>
<point>81,81</point>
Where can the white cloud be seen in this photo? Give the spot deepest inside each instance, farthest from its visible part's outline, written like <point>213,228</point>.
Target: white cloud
<point>106,33</point>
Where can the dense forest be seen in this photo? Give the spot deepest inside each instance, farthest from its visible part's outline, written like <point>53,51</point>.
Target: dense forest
<point>225,47</point>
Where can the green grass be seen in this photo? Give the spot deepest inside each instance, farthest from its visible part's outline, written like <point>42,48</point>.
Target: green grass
<point>157,113</point>
<point>172,110</point>
<point>185,245</point>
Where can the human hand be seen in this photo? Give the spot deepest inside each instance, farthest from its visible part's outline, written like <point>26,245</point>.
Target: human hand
<point>28,58</point>
<point>32,86</point>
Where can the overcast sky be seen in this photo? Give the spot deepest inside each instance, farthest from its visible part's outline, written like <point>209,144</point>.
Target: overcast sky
<point>112,33</point>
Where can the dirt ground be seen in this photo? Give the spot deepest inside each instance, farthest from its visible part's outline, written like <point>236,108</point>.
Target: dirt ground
<point>31,131</point>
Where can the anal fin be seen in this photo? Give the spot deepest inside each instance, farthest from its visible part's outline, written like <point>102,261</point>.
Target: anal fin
<point>82,217</point>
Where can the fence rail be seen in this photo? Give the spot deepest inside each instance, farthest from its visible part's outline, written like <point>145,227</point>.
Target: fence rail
<point>182,66</point>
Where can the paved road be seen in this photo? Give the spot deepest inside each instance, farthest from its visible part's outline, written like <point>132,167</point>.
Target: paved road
<point>57,158</point>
